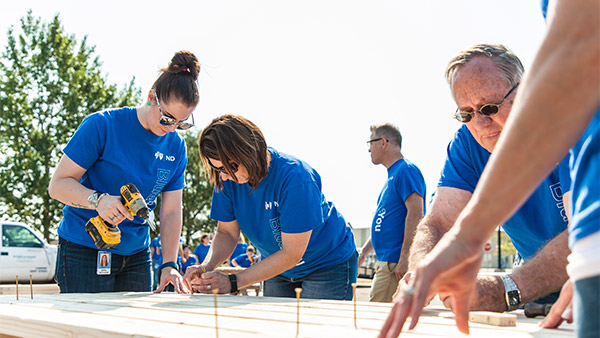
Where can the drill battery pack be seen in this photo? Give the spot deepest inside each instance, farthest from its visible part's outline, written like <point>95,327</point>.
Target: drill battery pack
<point>105,235</point>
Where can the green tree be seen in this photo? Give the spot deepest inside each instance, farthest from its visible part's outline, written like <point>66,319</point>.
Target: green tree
<point>197,195</point>
<point>49,81</point>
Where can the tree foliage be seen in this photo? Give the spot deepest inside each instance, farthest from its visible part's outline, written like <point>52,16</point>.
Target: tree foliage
<point>49,81</point>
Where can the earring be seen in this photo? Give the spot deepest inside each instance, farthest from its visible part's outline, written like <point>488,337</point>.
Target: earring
<point>148,103</point>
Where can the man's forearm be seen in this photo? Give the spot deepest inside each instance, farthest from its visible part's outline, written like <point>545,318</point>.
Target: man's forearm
<point>546,271</point>
<point>426,237</point>
<point>447,204</point>
<point>365,251</point>
<point>413,216</point>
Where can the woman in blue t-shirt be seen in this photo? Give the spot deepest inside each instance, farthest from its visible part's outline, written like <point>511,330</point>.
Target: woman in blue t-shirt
<point>246,259</point>
<point>110,149</point>
<point>276,200</point>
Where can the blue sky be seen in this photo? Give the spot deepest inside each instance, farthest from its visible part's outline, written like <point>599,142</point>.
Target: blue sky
<point>313,75</point>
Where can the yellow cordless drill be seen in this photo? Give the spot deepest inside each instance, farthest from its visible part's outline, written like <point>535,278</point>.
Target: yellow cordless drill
<point>106,235</point>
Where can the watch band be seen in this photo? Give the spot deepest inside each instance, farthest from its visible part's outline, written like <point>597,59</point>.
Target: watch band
<point>233,281</point>
<point>168,264</point>
<point>511,293</point>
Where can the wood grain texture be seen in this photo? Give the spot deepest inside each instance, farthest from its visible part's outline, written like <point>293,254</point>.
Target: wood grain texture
<point>10,289</point>
<point>493,318</point>
<point>173,315</point>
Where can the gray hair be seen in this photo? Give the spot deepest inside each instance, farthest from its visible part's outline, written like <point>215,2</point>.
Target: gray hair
<point>388,131</point>
<point>507,62</point>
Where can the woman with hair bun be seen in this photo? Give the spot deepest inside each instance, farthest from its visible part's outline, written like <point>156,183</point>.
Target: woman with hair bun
<point>118,146</point>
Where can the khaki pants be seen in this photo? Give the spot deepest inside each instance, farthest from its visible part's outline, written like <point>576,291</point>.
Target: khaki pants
<point>384,283</point>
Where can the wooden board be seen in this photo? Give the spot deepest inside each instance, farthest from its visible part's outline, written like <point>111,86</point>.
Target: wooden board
<point>24,289</point>
<point>173,315</point>
<point>493,318</point>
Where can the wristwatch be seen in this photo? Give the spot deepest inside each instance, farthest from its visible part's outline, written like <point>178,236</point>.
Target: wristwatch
<point>234,287</point>
<point>512,293</point>
<point>95,198</point>
<point>169,265</point>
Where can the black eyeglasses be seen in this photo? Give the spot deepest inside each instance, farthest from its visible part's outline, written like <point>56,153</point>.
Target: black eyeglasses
<point>234,167</point>
<point>375,140</point>
<point>169,121</point>
<point>489,109</point>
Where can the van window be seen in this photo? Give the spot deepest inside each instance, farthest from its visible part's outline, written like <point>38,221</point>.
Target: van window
<point>18,236</point>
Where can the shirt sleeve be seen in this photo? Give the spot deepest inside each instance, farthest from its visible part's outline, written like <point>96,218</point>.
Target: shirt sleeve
<point>564,173</point>
<point>87,144</point>
<point>458,171</point>
<point>410,181</point>
<point>222,207</point>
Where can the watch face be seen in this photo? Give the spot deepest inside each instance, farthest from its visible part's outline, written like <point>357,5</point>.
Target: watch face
<point>513,297</point>
<point>93,198</point>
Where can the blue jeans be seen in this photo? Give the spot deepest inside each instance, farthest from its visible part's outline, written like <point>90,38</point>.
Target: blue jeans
<point>586,307</point>
<point>76,270</point>
<point>331,282</point>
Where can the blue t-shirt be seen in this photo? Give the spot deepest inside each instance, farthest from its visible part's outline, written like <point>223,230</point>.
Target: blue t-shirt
<point>585,166</point>
<point>387,230</point>
<point>157,255</point>
<point>158,243</point>
<point>539,219</point>
<point>189,262</point>
<point>240,249</point>
<point>244,261</point>
<point>114,149</point>
<point>288,200</point>
<point>201,251</point>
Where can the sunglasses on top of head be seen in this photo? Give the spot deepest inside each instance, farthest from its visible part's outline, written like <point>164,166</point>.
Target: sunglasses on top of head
<point>489,109</point>
<point>168,121</point>
<point>234,167</point>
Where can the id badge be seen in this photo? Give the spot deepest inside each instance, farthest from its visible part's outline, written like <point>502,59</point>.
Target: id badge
<point>103,265</point>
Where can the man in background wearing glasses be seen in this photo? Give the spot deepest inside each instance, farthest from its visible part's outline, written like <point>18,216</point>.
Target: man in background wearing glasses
<point>400,207</point>
<point>484,81</point>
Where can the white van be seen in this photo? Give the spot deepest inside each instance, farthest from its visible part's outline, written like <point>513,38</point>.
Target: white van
<point>24,252</point>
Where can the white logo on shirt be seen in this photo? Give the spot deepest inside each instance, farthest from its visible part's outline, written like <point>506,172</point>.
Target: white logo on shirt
<point>379,220</point>
<point>557,194</point>
<point>159,156</point>
<point>269,205</point>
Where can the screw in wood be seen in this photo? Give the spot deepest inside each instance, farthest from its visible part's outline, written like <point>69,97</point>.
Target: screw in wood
<point>354,297</point>
<point>215,291</point>
<point>298,292</point>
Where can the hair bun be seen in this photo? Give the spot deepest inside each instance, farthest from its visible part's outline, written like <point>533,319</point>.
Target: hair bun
<point>184,62</point>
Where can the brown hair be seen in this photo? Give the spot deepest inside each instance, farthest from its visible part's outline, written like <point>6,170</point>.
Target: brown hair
<point>388,131</point>
<point>179,79</point>
<point>233,138</point>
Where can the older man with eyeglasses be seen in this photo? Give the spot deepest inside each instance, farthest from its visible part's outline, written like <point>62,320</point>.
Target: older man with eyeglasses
<point>484,81</point>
